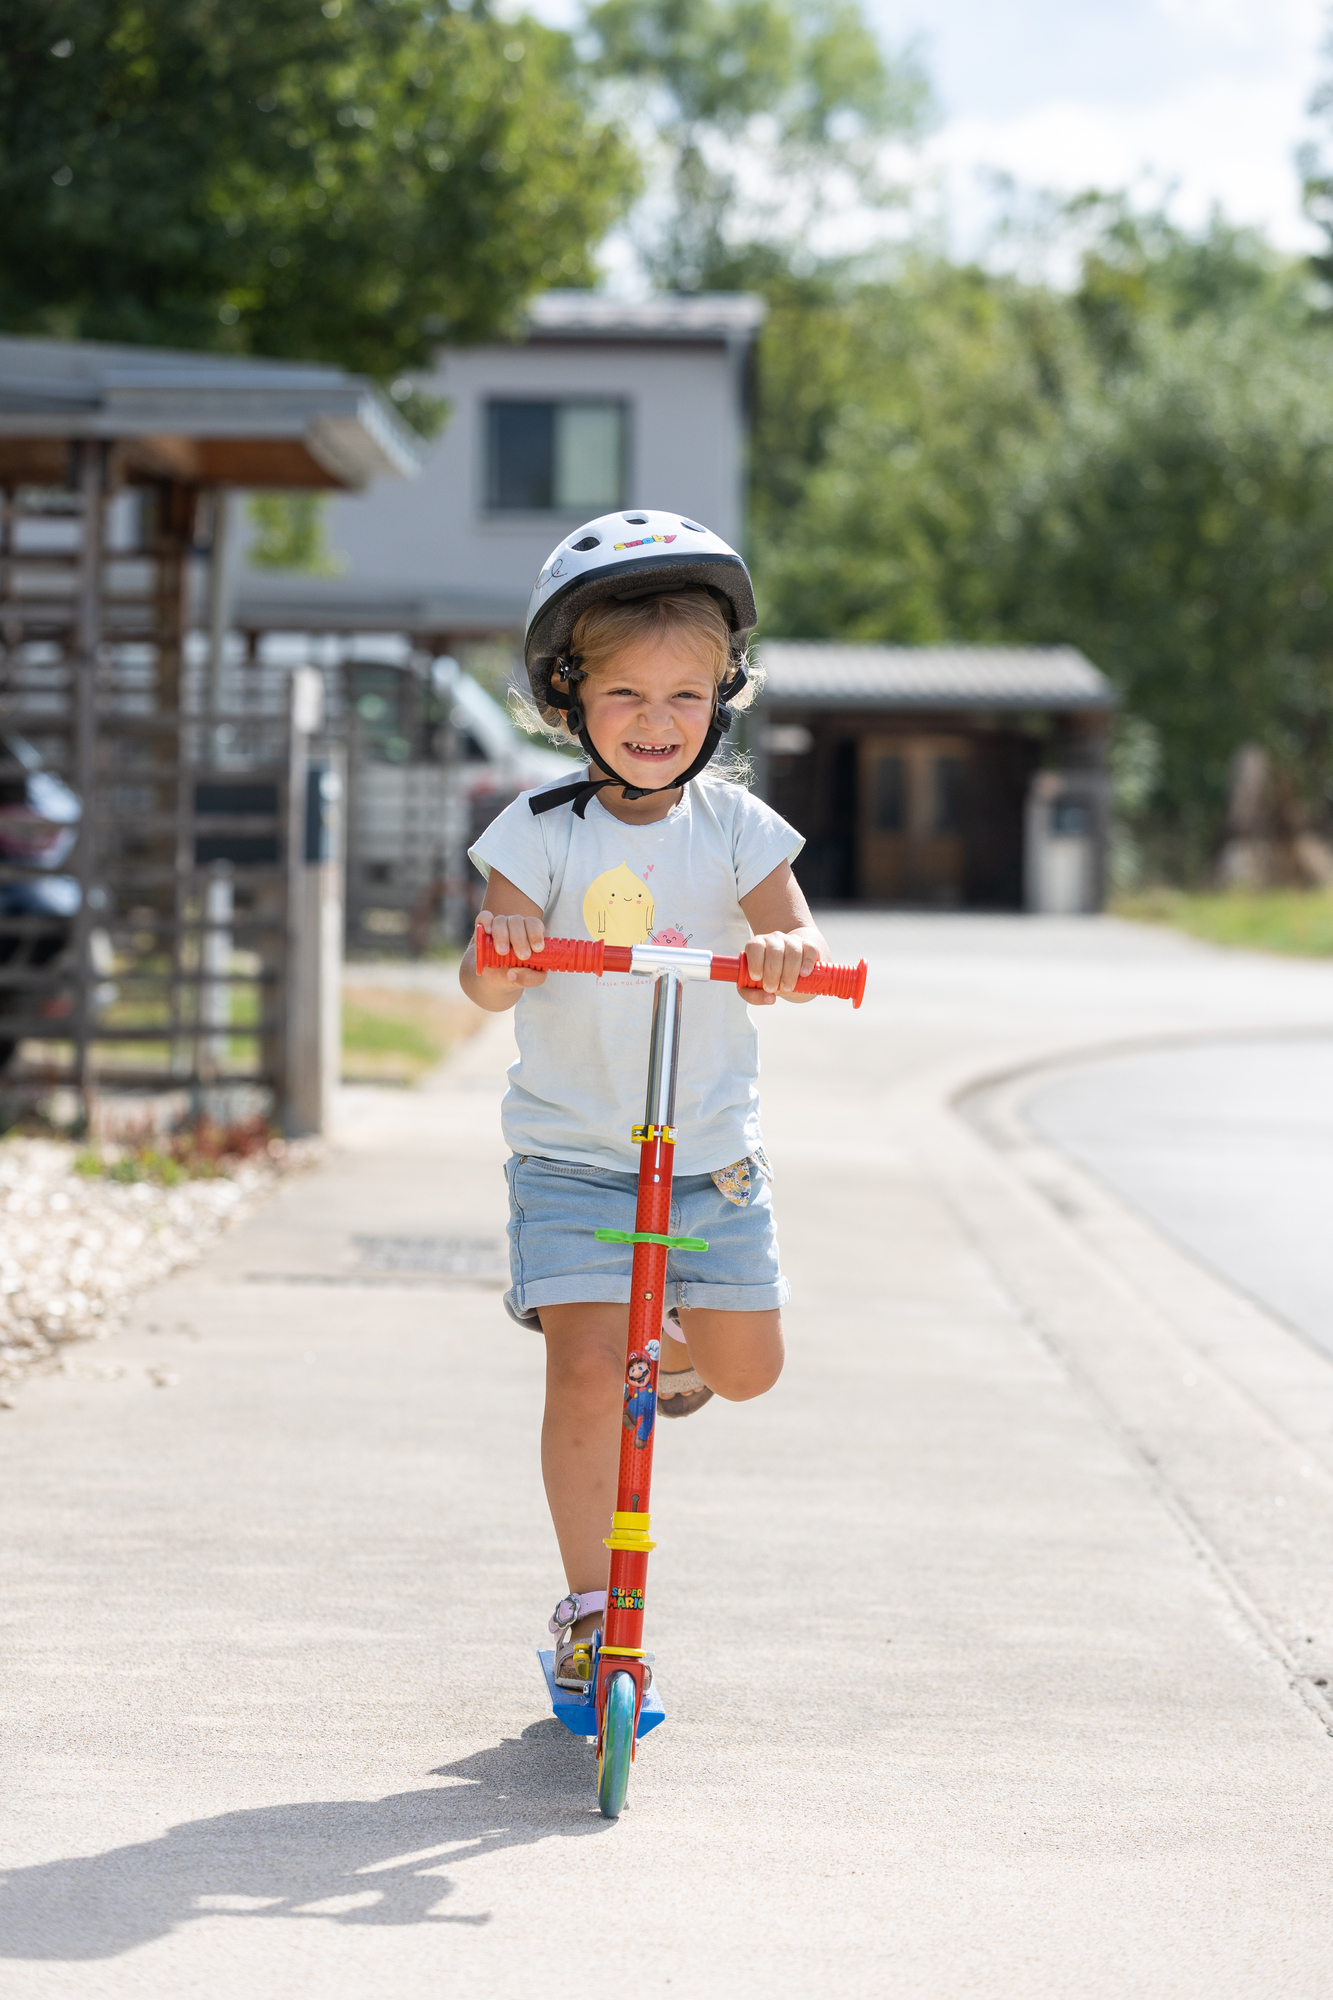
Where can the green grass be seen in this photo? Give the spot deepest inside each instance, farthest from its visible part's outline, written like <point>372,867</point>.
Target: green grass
<point>391,1036</point>
<point>1298,922</point>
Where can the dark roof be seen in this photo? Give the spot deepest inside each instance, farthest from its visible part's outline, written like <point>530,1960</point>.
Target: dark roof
<point>826,674</point>
<point>686,317</point>
<point>217,417</point>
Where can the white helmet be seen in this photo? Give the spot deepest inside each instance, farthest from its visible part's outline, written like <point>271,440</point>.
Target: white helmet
<point>637,554</point>
<point>641,553</point>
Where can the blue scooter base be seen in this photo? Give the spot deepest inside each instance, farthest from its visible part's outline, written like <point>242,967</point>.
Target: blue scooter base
<point>578,1712</point>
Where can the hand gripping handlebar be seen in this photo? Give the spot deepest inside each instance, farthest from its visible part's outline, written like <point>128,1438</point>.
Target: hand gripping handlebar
<point>839,982</point>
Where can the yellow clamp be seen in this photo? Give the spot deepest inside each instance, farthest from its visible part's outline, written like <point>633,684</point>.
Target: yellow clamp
<point>624,1652</point>
<point>643,1135</point>
<point>630,1531</point>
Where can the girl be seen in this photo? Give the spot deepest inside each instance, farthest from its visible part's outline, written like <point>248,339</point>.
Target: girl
<point>635,646</point>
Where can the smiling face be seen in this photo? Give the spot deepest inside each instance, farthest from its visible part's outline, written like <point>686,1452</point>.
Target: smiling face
<point>648,710</point>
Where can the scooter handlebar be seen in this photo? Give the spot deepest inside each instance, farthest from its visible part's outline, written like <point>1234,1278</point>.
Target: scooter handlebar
<point>838,982</point>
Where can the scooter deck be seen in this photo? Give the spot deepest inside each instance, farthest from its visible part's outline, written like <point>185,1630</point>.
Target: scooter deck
<point>578,1711</point>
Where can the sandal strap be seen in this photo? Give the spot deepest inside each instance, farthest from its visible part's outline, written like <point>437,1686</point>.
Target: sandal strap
<point>680,1382</point>
<point>577,1604</point>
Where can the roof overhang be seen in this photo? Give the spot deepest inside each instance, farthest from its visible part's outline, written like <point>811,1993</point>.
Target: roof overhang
<point>812,675</point>
<point>675,319</point>
<point>198,417</point>
<point>280,601</point>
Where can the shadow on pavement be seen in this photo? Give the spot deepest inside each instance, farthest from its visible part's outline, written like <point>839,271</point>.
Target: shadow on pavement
<point>348,1861</point>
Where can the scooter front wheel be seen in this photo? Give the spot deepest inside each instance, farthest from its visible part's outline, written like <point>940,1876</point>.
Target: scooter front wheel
<point>617,1745</point>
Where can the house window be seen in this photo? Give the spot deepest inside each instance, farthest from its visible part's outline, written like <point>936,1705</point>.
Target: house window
<point>566,458</point>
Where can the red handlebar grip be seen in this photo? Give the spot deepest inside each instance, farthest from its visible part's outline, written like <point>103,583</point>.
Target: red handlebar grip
<point>838,982</point>
<point>556,955</point>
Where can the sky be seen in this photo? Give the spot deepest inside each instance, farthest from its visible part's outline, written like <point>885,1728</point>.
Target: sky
<point>1207,97</point>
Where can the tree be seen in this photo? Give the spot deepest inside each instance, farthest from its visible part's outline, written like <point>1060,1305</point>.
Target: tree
<point>1142,466</point>
<point>757,108</point>
<point>1180,529</point>
<point>351,182</point>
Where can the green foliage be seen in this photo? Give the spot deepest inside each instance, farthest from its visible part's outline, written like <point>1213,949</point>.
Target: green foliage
<point>800,88</point>
<point>349,182</point>
<point>1181,531</point>
<point>290,533</point>
<point>888,417</point>
<point>1296,922</point>
<point>1142,467</point>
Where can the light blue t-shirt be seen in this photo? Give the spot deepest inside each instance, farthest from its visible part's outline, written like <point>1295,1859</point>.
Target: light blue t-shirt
<point>578,1087</point>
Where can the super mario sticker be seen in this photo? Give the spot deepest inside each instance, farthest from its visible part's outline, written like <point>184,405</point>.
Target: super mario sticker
<point>624,1598</point>
<point>640,1397</point>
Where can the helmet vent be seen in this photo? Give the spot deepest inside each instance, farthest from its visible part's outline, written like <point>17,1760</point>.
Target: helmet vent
<point>693,526</point>
<point>636,520</point>
<point>588,542</point>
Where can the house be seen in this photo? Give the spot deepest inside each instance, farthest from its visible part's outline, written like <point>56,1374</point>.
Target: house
<point>940,777</point>
<point>598,404</point>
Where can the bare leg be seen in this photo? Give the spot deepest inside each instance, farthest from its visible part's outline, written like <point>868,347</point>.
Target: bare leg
<point>739,1355</point>
<point>585,1374</point>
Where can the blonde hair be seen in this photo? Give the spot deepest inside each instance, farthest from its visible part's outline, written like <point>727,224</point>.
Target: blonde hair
<point>606,629</point>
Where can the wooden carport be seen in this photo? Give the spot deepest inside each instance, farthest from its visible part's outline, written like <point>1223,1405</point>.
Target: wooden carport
<point>202,830</point>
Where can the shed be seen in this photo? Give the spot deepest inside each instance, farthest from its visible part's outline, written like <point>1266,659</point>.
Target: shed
<point>939,776</point>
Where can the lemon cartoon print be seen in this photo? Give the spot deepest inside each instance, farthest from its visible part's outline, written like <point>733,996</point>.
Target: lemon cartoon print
<point>618,907</point>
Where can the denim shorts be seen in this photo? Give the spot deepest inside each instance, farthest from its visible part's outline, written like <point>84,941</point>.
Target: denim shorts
<point>555,1207</point>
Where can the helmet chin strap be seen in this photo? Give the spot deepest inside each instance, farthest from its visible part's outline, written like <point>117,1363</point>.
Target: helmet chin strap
<point>579,793</point>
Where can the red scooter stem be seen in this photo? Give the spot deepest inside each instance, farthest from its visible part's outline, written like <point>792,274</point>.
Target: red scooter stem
<point>838,982</point>
<point>630,1542</point>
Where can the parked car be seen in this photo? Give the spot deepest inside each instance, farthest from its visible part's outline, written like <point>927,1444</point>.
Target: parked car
<point>39,824</point>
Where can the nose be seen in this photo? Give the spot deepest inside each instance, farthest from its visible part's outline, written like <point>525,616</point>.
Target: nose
<point>655,715</point>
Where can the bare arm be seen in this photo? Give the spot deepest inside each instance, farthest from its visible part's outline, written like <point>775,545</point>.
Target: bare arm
<point>514,921</point>
<point>786,942</point>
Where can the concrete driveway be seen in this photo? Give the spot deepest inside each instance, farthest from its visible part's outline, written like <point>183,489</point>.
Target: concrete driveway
<point>995,1644</point>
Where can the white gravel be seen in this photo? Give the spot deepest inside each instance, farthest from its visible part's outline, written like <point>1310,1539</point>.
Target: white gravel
<point>75,1249</point>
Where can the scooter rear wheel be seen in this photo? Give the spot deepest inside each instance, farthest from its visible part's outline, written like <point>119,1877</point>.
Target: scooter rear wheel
<point>617,1745</point>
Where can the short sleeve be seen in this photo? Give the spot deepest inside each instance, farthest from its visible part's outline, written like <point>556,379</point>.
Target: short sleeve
<point>515,843</point>
<point>761,840</point>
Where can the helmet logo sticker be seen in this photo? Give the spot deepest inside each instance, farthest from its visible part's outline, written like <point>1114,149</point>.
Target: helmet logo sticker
<point>644,540</point>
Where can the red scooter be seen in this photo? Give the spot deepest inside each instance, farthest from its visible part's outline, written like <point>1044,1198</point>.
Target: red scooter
<point>623,1704</point>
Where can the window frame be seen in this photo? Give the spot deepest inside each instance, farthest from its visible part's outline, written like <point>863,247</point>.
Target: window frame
<point>491,511</point>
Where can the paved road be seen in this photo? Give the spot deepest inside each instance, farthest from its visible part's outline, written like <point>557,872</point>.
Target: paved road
<point>994,1642</point>
<point>1228,1147</point>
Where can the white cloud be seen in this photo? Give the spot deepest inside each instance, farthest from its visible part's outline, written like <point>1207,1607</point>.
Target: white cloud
<point>1219,141</point>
